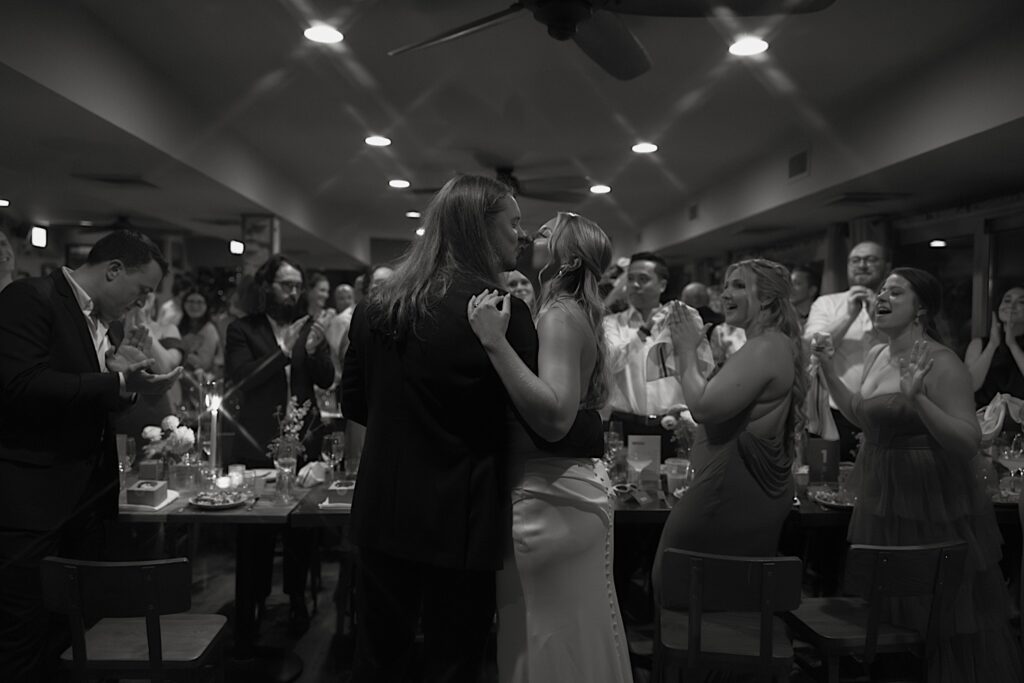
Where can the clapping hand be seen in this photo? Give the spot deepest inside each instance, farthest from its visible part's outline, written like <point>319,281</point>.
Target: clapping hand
<point>914,369</point>
<point>995,333</point>
<point>318,330</point>
<point>860,296</point>
<point>290,335</point>
<point>822,347</point>
<point>489,322</point>
<point>131,361</point>
<point>686,327</point>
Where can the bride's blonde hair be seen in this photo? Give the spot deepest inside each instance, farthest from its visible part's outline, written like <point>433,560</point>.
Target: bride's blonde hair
<point>575,237</point>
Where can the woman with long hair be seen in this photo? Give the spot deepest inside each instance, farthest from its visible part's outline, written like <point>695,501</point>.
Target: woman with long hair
<point>556,620</point>
<point>749,413</point>
<point>199,338</point>
<point>914,479</point>
<point>996,363</point>
<point>318,291</point>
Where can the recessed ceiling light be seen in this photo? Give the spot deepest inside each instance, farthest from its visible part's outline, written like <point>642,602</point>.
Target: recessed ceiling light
<point>600,189</point>
<point>377,141</point>
<point>237,247</point>
<point>746,46</point>
<point>420,232</point>
<point>937,244</point>
<point>5,202</point>
<point>412,214</point>
<point>37,237</point>
<point>398,183</point>
<point>322,33</point>
<point>645,147</point>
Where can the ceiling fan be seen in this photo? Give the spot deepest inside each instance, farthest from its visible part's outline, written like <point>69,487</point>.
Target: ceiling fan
<point>595,28</point>
<point>565,189</point>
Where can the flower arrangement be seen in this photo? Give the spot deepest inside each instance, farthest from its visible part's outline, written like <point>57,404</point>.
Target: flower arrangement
<point>679,421</point>
<point>170,439</point>
<point>290,421</point>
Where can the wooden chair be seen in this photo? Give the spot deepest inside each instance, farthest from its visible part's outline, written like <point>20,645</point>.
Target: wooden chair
<point>717,612</point>
<point>141,632</point>
<point>844,626</point>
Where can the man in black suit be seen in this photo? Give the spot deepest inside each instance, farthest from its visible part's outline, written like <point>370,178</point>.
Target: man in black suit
<point>62,376</point>
<point>269,356</point>
<point>431,513</point>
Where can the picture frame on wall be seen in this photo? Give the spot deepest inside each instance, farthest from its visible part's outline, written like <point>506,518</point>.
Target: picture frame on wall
<point>75,254</point>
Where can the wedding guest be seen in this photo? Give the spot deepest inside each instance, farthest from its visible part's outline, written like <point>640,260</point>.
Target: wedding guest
<point>520,286</point>
<point>750,414</point>
<point>7,261</point>
<point>170,311</point>
<point>564,624</point>
<point>914,477</point>
<point>806,283</point>
<point>996,363</point>
<point>846,317</point>
<point>344,298</point>
<point>270,356</point>
<point>695,295</point>
<point>62,378</point>
<point>430,516</point>
<point>318,292</point>
<point>199,338</point>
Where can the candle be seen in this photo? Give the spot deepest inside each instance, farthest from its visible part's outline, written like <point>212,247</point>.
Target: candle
<point>223,482</point>
<point>236,479</point>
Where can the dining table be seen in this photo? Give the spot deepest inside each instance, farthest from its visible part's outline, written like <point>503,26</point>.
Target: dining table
<point>248,662</point>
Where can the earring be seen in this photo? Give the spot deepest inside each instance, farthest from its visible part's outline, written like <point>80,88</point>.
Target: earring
<point>563,270</point>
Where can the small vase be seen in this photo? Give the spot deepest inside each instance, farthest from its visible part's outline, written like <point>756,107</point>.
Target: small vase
<point>184,474</point>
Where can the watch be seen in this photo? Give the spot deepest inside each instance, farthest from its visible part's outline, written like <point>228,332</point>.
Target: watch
<point>645,330</point>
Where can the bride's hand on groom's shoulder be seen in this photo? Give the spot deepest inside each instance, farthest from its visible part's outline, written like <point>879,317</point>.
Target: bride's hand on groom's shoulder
<point>489,313</point>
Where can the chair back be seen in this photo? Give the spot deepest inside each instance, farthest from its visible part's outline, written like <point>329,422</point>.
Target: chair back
<point>700,582</point>
<point>86,590</point>
<point>879,573</point>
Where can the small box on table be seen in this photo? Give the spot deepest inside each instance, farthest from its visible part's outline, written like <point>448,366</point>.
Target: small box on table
<point>146,492</point>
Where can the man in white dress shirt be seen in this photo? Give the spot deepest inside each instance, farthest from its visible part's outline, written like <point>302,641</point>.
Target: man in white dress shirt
<point>645,380</point>
<point>846,316</point>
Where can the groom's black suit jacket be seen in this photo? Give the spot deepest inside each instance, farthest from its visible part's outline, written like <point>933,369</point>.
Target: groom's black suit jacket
<point>57,446</point>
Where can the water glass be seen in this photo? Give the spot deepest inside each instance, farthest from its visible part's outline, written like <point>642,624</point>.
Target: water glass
<point>352,464</point>
<point>249,484</point>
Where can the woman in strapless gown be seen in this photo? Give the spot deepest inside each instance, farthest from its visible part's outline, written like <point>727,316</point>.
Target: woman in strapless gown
<point>558,615</point>
<point>914,480</point>
<point>748,412</point>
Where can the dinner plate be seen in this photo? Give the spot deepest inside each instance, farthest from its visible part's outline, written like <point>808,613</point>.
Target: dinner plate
<point>828,501</point>
<point>237,501</point>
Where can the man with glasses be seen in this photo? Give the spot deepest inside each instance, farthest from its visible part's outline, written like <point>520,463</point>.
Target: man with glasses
<point>269,356</point>
<point>846,317</point>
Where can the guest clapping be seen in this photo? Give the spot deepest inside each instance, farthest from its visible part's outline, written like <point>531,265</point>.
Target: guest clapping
<point>997,362</point>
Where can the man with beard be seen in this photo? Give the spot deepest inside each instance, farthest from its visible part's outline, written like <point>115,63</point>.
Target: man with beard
<point>270,356</point>
<point>846,316</point>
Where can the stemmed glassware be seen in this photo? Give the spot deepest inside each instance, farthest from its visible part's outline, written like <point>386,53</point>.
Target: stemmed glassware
<point>637,464</point>
<point>1012,458</point>
<point>333,452</point>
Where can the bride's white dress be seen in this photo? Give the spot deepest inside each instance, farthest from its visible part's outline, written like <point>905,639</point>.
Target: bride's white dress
<point>558,615</point>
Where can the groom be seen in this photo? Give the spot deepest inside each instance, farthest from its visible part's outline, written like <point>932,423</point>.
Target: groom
<point>431,513</point>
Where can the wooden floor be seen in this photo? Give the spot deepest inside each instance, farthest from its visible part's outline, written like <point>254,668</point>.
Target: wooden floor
<point>325,656</point>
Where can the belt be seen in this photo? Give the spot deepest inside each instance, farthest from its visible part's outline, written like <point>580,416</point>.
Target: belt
<point>643,420</point>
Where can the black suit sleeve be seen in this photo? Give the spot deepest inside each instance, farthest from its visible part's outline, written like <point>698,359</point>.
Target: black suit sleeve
<point>522,335</point>
<point>319,364</point>
<point>353,388</point>
<point>241,361</point>
<point>27,378</point>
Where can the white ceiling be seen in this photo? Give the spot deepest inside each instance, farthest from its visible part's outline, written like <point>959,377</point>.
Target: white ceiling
<point>224,108</point>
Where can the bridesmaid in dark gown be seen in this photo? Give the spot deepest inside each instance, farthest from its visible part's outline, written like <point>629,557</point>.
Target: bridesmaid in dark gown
<point>748,412</point>
<point>914,478</point>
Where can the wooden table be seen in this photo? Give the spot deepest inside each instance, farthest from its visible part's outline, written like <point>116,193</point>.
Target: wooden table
<point>250,663</point>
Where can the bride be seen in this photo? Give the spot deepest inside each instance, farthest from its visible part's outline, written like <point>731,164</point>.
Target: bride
<point>558,616</point>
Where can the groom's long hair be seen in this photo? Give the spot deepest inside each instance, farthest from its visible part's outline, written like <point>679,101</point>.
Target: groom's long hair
<point>456,243</point>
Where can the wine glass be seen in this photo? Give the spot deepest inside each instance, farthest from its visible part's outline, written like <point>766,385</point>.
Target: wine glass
<point>333,451</point>
<point>1012,458</point>
<point>638,462</point>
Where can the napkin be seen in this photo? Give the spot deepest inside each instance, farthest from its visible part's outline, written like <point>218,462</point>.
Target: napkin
<point>172,496</point>
<point>312,474</point>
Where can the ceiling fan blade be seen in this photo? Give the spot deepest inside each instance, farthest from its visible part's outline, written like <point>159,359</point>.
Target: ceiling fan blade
<point>462,31</point>
<point>606,40</point>
<point>700,8</point>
